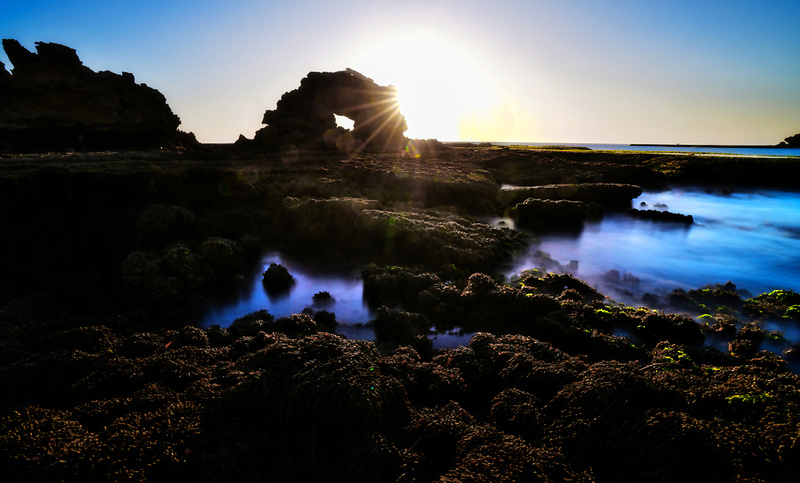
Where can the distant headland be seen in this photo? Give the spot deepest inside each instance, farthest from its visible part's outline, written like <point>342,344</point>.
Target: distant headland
<point>789,142</point>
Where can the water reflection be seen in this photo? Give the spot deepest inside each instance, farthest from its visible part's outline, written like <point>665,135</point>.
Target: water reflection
<point>343,283</point>
<point>749,238</point>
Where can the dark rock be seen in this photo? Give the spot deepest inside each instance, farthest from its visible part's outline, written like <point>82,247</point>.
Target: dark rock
<point>792,141</point>
<point>322,297</point>
<point>305,116</point>
<point>277,278</point>
<point>51,101</point>
<point>359,227</point>
<point>608,194</point>
<point>325,320</point>
<point>656,215</point>
<point>547,214</point>
<point>399,327</point>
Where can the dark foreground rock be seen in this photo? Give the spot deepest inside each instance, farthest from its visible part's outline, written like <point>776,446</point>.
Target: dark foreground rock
<point>51,101</point>
<point>253,403</point>
<point>108,257</point>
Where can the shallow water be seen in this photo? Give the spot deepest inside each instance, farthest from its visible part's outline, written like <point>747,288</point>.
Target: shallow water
<point>726,150</point>
<point>344,285</point>
<point>751,238</point>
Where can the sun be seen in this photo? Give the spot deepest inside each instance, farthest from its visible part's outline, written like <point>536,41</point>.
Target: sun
<point>441,86</point>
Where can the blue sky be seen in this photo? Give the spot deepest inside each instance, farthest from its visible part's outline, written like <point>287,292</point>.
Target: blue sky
<point>552,71</point>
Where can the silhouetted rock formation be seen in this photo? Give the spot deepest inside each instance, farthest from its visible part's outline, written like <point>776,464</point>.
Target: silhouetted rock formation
<point>792,141</point>
<point>51,101</point>
<point>305,116</point>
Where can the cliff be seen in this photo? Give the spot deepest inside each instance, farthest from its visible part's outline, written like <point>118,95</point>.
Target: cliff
<point>52,102</point>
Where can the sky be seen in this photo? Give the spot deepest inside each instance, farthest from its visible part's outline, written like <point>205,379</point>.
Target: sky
<point>561,71</point>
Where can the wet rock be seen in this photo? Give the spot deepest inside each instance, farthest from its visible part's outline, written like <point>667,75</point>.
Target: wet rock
<point>773,305</point>
<point>250,324</point>
<point>323,297</point>
<point>51,101</point>
<point>393,286</point>
<point>722,327</point>
<point>656,215</point>
<point>277,278</point>
<point>606,194</point>
<point>436,238</point>
<point>747,341</point>
<point>399,327</point>
<point>325,320</point>
<point>305,116</point>
<point>547,214</point>
<point>296,325</point>
<point>671,327</point>
<point>325,222</point>
<point>555,284</point>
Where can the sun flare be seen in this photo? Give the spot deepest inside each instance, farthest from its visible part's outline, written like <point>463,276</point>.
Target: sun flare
<point>440,85</point>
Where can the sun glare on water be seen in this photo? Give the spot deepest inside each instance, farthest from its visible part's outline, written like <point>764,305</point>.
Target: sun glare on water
<point>442,91</point>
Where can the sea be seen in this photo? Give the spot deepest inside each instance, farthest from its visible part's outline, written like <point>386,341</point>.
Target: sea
<point>743,150</point>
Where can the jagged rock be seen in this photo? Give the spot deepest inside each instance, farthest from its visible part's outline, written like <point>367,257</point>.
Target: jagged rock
<point>51,101</point>
<point>305,116</point>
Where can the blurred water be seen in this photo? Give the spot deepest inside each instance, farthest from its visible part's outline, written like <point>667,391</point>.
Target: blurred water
<point>751,238</point>
<point>344,285</point>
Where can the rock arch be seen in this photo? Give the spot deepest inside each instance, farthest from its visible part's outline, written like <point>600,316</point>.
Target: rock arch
<point>305,116</point>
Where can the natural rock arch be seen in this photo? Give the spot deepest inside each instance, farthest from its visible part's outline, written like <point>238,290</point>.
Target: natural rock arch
<point>305,116</point>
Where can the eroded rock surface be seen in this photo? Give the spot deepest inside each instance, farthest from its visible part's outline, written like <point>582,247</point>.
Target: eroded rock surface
<point>51,101</point>
<point>305,116</point>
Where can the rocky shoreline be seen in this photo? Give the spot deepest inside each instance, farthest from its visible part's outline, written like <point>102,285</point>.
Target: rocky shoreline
<point>108,257</point>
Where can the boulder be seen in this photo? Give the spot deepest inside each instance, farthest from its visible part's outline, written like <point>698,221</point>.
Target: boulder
<point>52,102</point>
<point>305,116</point>
<point>547,214</point>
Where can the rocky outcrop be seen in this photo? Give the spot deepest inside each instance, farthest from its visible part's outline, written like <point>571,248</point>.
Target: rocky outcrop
<point>656,215</point>
<point>609,194</point>
<point>51,101</point>
<point>305,116</point>
<point>792,141</point>
<point>543,215</point>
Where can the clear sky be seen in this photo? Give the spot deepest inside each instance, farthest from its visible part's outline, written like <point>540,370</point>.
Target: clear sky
<point>592,71</point>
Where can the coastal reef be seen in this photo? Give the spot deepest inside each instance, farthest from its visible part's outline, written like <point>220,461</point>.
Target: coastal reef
<point>110,261</point>
<point>305,117</point>
<point>52,102</point>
